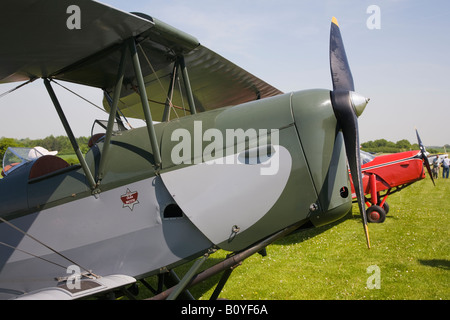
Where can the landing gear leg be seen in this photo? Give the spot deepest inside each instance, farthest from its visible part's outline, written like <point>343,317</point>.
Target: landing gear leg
<point>377,208</point>
<point>223,280</point>
<point>187,277</point>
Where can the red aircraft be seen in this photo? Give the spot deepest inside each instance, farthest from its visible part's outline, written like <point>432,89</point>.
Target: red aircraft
<point>383,175</point>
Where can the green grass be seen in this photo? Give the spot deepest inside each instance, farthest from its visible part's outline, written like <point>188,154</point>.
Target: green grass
<point>411,248</point>
<point>70,158</point>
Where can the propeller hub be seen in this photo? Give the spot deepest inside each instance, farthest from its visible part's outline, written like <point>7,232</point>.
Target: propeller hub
<point>359,102</point>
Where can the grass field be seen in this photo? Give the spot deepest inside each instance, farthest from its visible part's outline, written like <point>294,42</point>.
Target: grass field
<point>410,249</point>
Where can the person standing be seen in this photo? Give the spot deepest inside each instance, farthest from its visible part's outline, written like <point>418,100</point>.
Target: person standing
<point>436,167</point>
<point>445,167</point>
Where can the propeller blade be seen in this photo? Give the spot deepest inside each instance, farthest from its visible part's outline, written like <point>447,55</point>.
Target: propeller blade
<point>424,157</point>
<point>427,165</point>
<point>348,122</point>
<point>347,106</point>
<point>340,69</point>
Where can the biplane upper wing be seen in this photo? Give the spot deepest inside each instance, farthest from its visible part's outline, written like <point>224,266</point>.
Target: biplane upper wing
<point>83,44</point>
<point>215,82</point>
<point>42,38</point>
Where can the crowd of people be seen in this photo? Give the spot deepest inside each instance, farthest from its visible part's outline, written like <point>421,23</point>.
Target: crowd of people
<point>437,163</point>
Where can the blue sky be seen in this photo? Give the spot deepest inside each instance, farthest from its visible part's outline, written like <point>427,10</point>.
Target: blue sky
<point>403,67</point>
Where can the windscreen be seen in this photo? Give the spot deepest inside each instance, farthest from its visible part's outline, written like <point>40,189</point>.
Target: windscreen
<point>14,158</point>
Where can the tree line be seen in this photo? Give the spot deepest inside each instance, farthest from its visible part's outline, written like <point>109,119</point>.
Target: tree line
<point>63,146</point>
<point>384,146</point>
<point>60,143</point>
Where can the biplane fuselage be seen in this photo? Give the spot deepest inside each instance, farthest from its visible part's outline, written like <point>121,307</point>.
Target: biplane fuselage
<point>139,222</point>
<point>245,163</point>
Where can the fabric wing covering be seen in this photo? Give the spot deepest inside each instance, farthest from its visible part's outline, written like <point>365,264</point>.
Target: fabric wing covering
<point>39,41</point>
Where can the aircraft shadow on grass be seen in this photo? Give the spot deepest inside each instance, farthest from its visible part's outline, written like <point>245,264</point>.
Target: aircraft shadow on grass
<point>436,263</point>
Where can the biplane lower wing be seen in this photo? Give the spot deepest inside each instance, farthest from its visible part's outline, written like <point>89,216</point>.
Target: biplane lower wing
<point>76,289</point>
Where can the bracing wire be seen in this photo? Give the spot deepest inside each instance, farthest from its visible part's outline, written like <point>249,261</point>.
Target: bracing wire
<point>43,244</point>
<point>79,96</point>
<point>18,87</point>
<point>172,106</point>
<point>31,254</point>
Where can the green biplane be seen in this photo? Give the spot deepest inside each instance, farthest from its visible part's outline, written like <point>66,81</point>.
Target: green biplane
<point>232,163</point>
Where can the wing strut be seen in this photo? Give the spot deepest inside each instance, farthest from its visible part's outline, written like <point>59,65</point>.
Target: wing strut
<point>118,86</point>
<point>144,101</point>
<point>69,132</point>
<point>112,115</point>
<point>187,85</point>
<point>179,64</point>
<point>166,114</point>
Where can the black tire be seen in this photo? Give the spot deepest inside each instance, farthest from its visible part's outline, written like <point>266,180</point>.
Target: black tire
<point>375,214</point>
<point>386,207</point>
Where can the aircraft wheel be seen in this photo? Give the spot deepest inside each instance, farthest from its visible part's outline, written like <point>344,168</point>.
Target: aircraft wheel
<point>375,214</point>
<point>386,207</point>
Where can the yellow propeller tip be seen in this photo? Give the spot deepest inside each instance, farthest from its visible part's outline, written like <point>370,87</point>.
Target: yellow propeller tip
<point>334,20</point>
<point>366,229</point>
